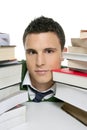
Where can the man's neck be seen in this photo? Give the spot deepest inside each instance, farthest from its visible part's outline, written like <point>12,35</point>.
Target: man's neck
<point>41,86</point>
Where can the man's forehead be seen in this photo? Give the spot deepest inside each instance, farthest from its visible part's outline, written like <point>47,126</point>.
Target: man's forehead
<point>42,41</point>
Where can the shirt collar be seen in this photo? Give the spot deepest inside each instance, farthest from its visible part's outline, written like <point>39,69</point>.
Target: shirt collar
<point>27,80</point>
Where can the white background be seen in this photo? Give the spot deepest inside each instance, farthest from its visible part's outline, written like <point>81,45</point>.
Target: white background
<point>15,15</point>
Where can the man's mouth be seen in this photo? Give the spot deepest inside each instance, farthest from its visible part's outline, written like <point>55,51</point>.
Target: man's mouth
<point>41,72</point>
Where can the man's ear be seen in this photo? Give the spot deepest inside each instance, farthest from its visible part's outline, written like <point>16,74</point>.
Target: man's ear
<point>64,50</point>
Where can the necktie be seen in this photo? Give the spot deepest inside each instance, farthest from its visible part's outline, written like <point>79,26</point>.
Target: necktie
<point>40,95</point>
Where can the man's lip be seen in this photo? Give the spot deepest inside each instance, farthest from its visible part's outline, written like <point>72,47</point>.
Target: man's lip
<point>41,70</point>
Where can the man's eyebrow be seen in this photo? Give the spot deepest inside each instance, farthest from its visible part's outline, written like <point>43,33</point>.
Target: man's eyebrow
<point>45,49</point>
<point>50,48</point>
<point>30,49</point>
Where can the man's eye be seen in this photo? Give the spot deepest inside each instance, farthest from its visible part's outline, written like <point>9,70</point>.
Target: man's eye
<point>31,52</point>
<point>49,51</point>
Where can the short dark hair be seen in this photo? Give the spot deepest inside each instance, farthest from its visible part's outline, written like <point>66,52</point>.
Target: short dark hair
<point>44,24</point>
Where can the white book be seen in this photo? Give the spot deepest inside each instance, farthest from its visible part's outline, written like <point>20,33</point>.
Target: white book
<point>75,56</point>
<point>18,110</point>
<point>9,90</point>
<point>10,75</point>
<point>10,70</point>
<point>72,95</point>
<point>9,124</point>
<point>13,100</point>
<point>9,81</point>
<point>13,117</point>
<point>49,116</point>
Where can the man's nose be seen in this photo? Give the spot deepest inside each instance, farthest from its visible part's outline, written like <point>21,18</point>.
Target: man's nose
<point>40,60</point>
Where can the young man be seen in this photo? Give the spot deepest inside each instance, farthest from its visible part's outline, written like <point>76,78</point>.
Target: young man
<point>44,41</point>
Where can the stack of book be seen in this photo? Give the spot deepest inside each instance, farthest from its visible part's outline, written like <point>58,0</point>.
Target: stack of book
<point>77,54</point>
<point>83,34</point>
<point>12,110</point>
<point>72,80</point>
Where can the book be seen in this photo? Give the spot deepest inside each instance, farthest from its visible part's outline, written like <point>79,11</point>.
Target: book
<point>79,114</point>
<point>77,65</point>
<point>13,100</point>
<point>5,92</point>
<point>75,56</point>
<point>72,95</point>
<point>4,39</point>
<point>80,70</point>
<point>79,42</point>
<point>14,112</point>
<point>7,52</point>
<point>13,117</point>
<point>71,77</point>
<point>10,75</point>
<point>53,117</point>
<point>9,62</point>
<point>75,49</point>
<point>83,34</point>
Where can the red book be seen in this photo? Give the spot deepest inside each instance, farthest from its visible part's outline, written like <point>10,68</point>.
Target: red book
<point>71,77</point>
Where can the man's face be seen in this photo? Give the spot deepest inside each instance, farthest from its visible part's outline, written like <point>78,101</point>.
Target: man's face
<point>43,53</point>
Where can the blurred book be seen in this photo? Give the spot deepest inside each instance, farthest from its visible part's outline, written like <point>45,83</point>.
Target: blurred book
<point>13,117</point>
<point>9,62</point>
<point>79,114</point>
<point>79,42</point>
<point>13,100</point>
<point>71,77</point>
<point>4,39</point>
<point>76,49</point>
<point>83,34</point>
<point>7,91</point>
<point>7,52</point>
<point>75,56</point>
<point>77,65</point>
<point>10,75</point>
<point>72,95</point>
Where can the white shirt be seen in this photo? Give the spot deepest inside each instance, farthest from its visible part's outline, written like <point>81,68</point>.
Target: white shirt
<point>27,81</point>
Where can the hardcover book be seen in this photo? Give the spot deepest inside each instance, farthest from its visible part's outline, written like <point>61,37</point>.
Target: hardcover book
<point>75,56</point>
<point>77,65</point>
<point>7,52</point>
<point>72,95</point>
<point>10,75</point>
<point>83,34</point>
<point>14,117</point>
<point>79,42</point>
<point>71,77</point>
<point>13,100</point>
<point>5,92</point>
<point>79,114</point>
<point>76,49</point>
